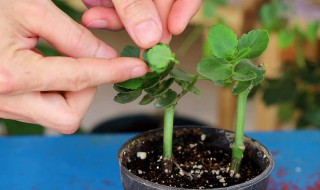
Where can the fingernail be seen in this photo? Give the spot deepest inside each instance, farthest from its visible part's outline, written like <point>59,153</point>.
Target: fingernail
<point>138,72</point>
<point>146,32</point>
<point>98,24</point>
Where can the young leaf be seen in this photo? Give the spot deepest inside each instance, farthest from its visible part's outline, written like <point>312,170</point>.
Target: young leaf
<point>222,41</point>
<point>181,75</point>
<point>241,87</point>
<point>131,84</point>
<point>213,69</point>
<point>130,51</point>
<point>286,38</point>
<point>159,57</point>
<point>167,100</point>
<point>127,97</point>
<point>247,66</point>
<point>244,75</point>
<point>256,40</point>
<point>243,52</point>
<point>146,99</point>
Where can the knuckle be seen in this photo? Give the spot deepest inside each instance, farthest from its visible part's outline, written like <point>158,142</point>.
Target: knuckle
<point>80,81</point>
<point>133,8</point>
<point>7,84</point>
<point>70,123</point>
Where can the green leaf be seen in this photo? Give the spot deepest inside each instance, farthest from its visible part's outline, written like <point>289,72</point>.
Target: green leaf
<point>286,38</point>
<point>214,69</point>
<point>244,76</point>
<point>223,83</point>
<point>181,74</point>
<point>185,86</point>
<point>150,82</point>
<point>241,87</point>
<point>222,41</point>
<point>159,57</point>
<point>247,66</point>
<point>312,31</point>
<point>127,97</point>
<point>162,88</point>
<point>167,100</point>
<point>130,51</point>
<point>243,52</point>
<point>147,99</point>
<point>120,89</point>
<point>256,40</point>
<point>167,71</point>
<point>131,84</point>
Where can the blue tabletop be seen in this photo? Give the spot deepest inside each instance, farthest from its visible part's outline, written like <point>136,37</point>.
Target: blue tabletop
<point>89,162</point>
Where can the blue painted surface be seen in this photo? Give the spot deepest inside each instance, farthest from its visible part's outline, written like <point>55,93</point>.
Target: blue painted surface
<point>89,162</point>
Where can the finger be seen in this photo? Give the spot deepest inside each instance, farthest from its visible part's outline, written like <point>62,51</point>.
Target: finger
<point>98,3</point>
<point>67,36</point>
<point>141,20</point>
<point>102,17</point>
<point>181,13</point>
<point>164,7</point>
<point>49,109</point>
<point>67,74</point>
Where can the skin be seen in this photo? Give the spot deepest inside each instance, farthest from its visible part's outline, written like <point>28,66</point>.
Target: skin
<point>56,92</point>
<point>158,20</point>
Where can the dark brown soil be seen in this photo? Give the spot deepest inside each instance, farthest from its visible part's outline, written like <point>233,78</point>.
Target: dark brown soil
<point>197,164</point>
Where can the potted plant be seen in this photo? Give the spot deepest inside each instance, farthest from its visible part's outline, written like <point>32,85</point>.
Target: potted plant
<point>196,157</point>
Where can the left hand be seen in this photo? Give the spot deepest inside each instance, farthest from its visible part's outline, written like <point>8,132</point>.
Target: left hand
<point>147,21</point>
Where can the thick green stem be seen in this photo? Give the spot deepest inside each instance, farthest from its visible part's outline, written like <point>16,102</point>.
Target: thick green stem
<point>238,145</point>
<point>168,131</point>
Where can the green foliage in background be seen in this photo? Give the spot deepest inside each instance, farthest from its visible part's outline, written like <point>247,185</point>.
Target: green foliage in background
<point>296,91</point>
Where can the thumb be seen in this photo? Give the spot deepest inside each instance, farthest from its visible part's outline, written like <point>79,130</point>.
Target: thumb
<point>141,20</point>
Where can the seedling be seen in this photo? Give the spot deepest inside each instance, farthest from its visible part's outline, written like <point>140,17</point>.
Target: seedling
<point>229,65</point>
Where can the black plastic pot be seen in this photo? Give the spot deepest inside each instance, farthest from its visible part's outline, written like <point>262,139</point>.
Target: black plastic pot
<point>222,138</point>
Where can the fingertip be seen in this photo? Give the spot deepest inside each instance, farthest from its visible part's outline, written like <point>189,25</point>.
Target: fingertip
<point>138,72</point>
<point>180,15</point>
<point>106,51</point>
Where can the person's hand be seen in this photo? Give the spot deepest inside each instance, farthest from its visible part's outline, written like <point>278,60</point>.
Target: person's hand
<point>147,21</point>
<point>54,92</point>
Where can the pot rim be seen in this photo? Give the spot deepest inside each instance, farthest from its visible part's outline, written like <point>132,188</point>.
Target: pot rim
<point>255,180</point>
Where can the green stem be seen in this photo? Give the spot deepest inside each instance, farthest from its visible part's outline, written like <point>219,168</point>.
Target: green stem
<point>238,145</point>
<point>168,131</point>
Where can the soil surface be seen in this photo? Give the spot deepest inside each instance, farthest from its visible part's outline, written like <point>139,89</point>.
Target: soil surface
<point>196,164</point>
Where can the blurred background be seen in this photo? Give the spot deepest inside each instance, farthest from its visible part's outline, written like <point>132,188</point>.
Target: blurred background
<point>289,97</point>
